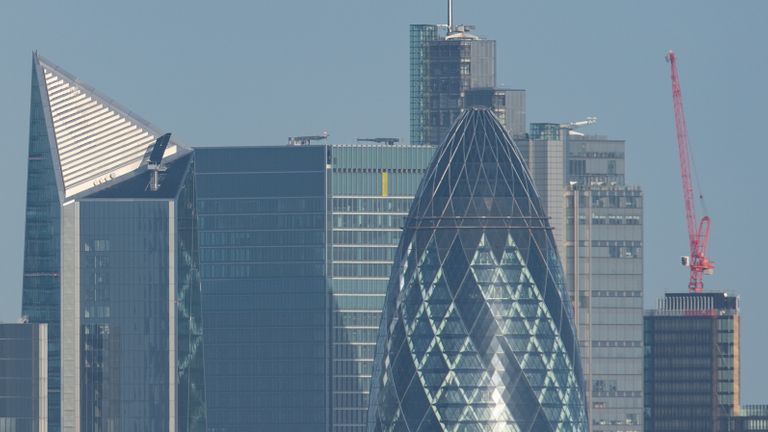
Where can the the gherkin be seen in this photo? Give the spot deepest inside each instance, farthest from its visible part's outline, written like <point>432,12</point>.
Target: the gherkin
<point>477,330</point>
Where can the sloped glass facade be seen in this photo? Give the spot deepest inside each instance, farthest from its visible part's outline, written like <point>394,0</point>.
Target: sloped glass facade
<point>477,329</point>
<point>41,283</point>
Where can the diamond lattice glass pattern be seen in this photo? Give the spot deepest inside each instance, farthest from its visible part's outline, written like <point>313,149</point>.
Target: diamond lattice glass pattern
<point>477,331</point>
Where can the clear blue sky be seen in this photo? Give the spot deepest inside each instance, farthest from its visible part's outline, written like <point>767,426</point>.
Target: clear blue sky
<point>256,72</point>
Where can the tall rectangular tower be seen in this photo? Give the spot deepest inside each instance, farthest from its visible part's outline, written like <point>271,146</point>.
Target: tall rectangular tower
<point>262,221</point>
<point>692,362</point>
<point>444,66</point>
<point>371,189</point>
<point>597,222</point>
<point>131,320</point>
<point>24,377</point>
<point>296,250</point>
<point>604,267</point>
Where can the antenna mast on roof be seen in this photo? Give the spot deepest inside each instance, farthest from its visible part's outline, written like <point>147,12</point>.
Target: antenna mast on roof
<point>450,16</point>
<point>155,164</point>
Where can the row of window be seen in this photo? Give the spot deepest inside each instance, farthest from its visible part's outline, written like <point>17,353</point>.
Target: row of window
<point>261,205</point>
<point>273,254</point>
<point>368,221</point>
<point>366,237</point>
<point>266,221</point>
<point>260,271</point>
<point>353,368</point>
<point>262,238</point>
<point>356,319</point>
<point>372,205</point>
<point>362,270</point>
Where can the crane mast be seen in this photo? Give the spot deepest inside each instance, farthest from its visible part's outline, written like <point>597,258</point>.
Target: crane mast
<point>698,234</point>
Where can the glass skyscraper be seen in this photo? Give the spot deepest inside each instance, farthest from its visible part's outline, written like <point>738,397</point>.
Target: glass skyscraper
<point>23,377</point>
<point>111,263</point>
<point>296,247</point>
<point>371,189</point>
<point>41,282</point>
<point>262,221</point>
<point>477,332</point>
<point>443,68</point>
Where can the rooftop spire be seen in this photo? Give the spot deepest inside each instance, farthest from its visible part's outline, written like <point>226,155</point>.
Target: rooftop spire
<point>450,16</point>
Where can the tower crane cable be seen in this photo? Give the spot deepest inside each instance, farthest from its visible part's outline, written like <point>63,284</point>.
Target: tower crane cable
<point>698,234</point>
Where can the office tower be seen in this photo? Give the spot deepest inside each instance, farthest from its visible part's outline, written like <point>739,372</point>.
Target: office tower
<point>751,418</point>
<point>477,331</point>
<point>110,263</point>
<point>692,362</point>
<point>296,250</point>
<point>262,229</point>
<point>371,189</point>
<point>41,283</point>
<point>508,105</point>
<point>544,151</point>
<point>604,267</point>
<point>444,66</point>
<point>581,178</point>
<point>23,377</point>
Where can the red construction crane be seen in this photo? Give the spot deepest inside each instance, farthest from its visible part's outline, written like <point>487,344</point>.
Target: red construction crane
<point>698,235</point>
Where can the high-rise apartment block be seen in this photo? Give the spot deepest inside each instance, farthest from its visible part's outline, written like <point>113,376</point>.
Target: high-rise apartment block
<point>23,377</point>
<point>692,363</point>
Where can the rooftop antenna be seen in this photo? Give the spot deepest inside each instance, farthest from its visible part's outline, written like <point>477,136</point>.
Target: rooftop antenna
<point>307,139</point>
<point>450,16</point>
<point>155,161</point>
<point>380,140</point>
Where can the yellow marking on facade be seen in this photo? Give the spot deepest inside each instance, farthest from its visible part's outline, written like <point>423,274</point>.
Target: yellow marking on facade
<point>384,184</point>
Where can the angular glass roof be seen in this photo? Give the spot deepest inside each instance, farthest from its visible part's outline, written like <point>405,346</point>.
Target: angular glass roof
<point>94,140</point>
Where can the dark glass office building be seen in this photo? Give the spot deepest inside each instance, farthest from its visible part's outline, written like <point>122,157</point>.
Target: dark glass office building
<point>23,377</point>
<point>296,247</point>
<point>41,283</point>
<point>111,263</point>
<point>477,331</point>
<point>262,220</point>
<point>692,363</point>
<point>443,68</point>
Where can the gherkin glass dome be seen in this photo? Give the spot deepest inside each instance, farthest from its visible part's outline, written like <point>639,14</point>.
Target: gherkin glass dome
<point>477,331</point>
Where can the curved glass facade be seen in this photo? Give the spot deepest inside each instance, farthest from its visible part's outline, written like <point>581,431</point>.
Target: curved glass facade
<point>477,330</point>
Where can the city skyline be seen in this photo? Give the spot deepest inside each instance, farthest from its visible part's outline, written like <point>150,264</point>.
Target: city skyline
<point>647,127</point>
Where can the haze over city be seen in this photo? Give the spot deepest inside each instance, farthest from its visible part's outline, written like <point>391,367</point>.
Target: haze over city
<point>257,73</point>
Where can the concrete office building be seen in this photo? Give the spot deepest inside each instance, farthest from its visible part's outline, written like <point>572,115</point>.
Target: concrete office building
<point>111,263</point>
<point>23,377</point>
<point>597,221</point>
<point>692,362</point>
<point>604,267</point>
